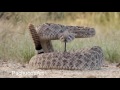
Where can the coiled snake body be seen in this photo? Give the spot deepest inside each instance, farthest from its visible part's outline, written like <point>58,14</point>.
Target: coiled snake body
<point>83,59</point>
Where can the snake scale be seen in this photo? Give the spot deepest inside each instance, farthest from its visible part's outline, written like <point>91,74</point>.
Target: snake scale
<point>83,59</point>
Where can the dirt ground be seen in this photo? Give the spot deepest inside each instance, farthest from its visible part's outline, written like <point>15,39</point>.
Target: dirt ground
<point>18,70</point>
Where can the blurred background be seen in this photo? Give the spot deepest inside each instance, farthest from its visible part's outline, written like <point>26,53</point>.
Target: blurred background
<point>16,42</point>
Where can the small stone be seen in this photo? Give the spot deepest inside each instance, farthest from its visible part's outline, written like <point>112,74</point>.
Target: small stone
<point>34,76</point>
<point>118,65</point>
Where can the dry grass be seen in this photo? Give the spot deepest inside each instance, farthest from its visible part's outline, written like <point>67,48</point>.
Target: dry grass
<point>16,42</point>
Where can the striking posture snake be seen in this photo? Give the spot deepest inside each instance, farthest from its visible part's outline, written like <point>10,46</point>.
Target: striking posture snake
<point>84,59</point>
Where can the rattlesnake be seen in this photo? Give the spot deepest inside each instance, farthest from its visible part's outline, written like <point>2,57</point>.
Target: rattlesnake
<point>84,59</point>
<point>43,34</point>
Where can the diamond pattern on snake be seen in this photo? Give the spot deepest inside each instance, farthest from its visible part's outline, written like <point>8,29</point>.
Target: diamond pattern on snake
<point>83,59</point>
